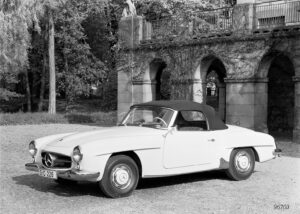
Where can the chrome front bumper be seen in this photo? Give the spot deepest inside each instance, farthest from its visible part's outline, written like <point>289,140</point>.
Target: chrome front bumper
<point>78,175</point>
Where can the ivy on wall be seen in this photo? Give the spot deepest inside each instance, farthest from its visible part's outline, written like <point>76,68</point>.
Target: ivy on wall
<point>241,60</point>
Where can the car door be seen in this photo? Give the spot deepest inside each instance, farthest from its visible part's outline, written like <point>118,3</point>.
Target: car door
<point>190,143</point>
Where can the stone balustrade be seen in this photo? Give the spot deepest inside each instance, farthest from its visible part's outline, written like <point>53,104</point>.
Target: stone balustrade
<point>244,18</point>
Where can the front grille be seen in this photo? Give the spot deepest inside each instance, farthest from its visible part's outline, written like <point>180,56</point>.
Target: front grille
<point>54,160</point>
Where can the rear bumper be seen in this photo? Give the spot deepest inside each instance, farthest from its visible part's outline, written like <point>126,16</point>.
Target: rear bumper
<point>277,152</point>
<point>71,174</point>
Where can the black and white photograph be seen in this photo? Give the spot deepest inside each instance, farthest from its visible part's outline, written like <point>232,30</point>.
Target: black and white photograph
<point>150,106</point>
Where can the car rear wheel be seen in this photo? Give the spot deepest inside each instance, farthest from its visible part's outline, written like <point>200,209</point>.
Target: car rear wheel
<point>121,176</point>
<point>241,164</point>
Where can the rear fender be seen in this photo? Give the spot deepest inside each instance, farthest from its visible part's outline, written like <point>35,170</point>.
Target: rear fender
<point>264,153</point>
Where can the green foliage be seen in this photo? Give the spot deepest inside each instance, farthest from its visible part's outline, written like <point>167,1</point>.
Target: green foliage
<point>157,9</point>
<point>152,9</point>
<point>22,48</point>
<point>98,118</point>
<point>6,95</point>
<point>77,67</point>
<point>101,28</point>
<point>15,17</point>
<point>86,44</point>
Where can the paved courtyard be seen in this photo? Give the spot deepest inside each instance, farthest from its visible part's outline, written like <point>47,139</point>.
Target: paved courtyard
<point>273,188</point>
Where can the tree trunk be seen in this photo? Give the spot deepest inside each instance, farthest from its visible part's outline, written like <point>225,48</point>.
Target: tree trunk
<point>52,81</point>
<point>69,96</point>
<point>28,91</point>
<point>43,79</point>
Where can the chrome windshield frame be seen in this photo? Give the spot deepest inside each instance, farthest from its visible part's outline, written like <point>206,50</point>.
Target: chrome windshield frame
<point>147,107</point>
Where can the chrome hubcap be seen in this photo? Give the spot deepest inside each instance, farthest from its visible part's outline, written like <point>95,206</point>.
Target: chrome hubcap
<point>121,176</point>
<point>242,162</point>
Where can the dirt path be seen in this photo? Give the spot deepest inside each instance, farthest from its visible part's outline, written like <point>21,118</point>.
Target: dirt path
<point>274,183</point>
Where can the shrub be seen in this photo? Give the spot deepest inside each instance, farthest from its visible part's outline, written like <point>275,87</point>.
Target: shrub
<point>97,118</point>
<point>30,118</point>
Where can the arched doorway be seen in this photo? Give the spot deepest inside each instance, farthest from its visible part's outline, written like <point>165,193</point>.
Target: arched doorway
<point>215,86</point>
<point>281,96</point>
<point>160,77</point>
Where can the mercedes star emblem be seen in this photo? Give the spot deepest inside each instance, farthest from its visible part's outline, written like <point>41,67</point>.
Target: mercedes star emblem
<point>49,160</point>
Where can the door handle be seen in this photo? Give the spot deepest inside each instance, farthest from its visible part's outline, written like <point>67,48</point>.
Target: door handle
<point>211,140</point>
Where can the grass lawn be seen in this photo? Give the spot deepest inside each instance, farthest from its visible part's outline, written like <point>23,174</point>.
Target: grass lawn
<point>82,111</point>
<point>97,118</point>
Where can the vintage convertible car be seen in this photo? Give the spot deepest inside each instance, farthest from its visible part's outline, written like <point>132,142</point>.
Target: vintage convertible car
<point>155,139</point>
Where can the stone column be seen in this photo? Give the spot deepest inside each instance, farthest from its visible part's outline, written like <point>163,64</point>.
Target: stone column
<point>296,131</point>
<point>137,92</point>
<point>222,100</point>
<point>246,103</point>
<point>124,93</point>
<point>143,91</point>
<point>147,30</point>
<point>240,102</point>
<point>131,31</point>
<point>261,105</point>
<point>199,91</point>
<point>243,17</point>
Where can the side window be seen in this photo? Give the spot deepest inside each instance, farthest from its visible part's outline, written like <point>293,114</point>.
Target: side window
<point>193,116</point>
<point>191,121</point>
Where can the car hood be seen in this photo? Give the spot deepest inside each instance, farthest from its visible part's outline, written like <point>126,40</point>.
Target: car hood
<point>105,136</point>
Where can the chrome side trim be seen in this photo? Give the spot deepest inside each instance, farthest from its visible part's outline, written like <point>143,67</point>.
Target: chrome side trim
<point>130,151</point>
<point>252,146</point>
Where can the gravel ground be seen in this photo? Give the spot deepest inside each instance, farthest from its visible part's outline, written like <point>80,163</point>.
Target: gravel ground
<point>273,183</point>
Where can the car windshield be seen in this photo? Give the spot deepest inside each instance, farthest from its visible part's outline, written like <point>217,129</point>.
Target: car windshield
<point>152,117</point>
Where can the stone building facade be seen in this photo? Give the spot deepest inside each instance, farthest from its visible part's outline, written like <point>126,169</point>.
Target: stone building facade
<point>257,70</point>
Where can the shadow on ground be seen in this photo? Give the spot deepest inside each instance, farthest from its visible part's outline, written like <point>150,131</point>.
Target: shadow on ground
<point>181,179</point>
<point>41,184</point>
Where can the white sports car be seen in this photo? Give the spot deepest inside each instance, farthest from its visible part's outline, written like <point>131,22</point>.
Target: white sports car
<point>155,139</point>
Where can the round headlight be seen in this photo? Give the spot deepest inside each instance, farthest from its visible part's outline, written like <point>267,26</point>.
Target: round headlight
<point>32,148</point>
<point>76,156</point>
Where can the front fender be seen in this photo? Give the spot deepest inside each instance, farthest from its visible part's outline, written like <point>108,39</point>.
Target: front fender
<point>122,145</point>
<point>96,154</point>
<point>95,164</point>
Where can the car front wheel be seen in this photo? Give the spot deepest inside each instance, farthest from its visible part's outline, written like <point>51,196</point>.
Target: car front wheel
<point>241,164</point>
<point>121,176</point>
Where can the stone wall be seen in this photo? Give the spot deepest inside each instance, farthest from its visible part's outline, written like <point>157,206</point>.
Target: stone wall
<point>247,59</point>
<point>247,63</point>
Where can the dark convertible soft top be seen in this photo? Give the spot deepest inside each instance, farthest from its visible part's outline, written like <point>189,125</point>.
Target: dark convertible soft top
<point>215,123</point>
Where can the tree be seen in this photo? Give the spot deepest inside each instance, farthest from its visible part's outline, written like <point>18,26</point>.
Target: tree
<point>44,67</point>
<point>18,21</point>
<point>51,54</point>
<point>15,18</point>
<point>78,68</point>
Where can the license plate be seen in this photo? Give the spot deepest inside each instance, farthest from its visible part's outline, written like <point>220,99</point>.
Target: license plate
<point>48,173</point>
